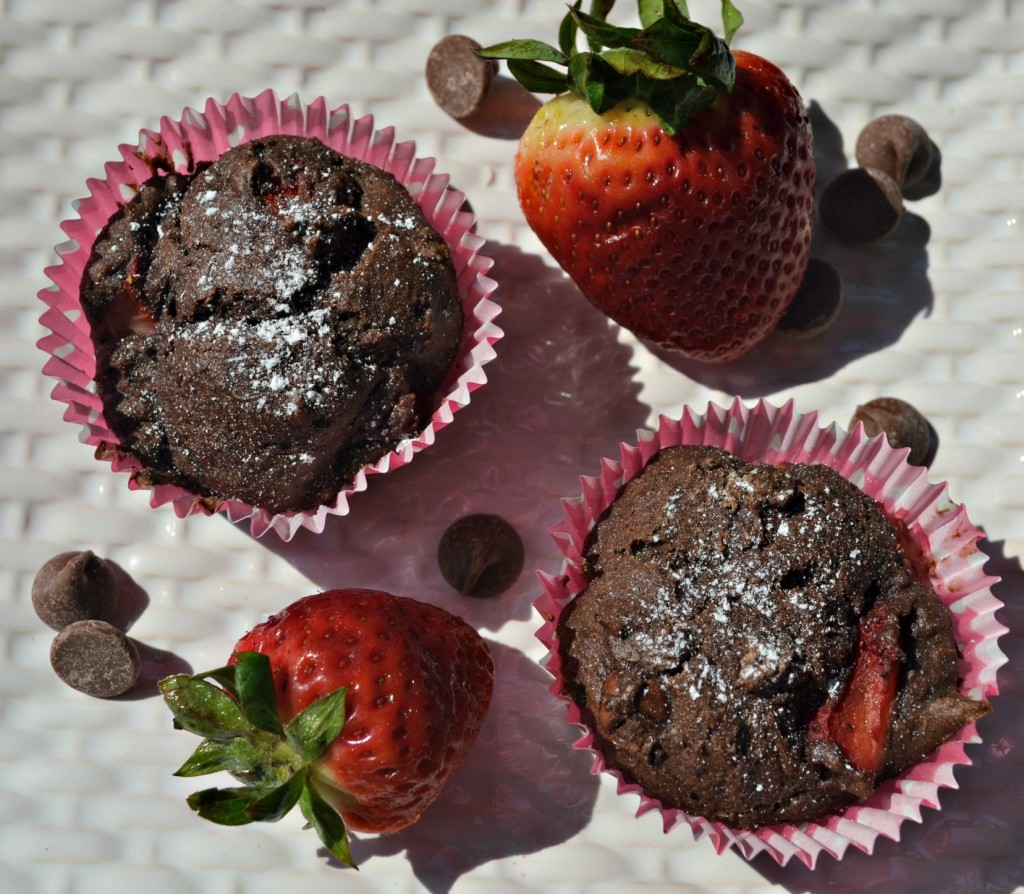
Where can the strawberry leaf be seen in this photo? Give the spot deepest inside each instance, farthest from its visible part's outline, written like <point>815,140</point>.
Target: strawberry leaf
<point>732,19</point>
<point>244,737</point>
<point>202,708</point>
<point>600,33</point>
<point>312,731</point>
<point>651,11</point>
<point>630,62</point>
<point>538,78</point>
<point>671,62</point>
<point>591,83</point>
<point>524,49</point>
<point>225,676</point>
<point>673,106</point>
<point>274,804</point>
<point>599,10</point>
<point>691,48</point>
<point>255,681</point>
<point>598,83</point>
<point>225,806</point>
<point>567,31</point>
<point>714,63</point>
<point>676,11</point>
<point>327,823</point>
<point>234,756</point>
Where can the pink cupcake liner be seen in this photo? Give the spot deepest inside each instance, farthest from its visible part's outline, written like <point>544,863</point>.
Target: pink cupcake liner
<point>204,136</point>
<point>941,532</point>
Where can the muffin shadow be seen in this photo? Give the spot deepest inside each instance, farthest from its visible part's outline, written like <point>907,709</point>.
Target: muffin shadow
<point>972,843</point>
<point>561,394</point>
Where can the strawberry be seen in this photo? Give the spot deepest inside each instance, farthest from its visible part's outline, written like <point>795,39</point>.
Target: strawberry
<point>672,179</point>
<point>858,719</point>
<point>355,704</point>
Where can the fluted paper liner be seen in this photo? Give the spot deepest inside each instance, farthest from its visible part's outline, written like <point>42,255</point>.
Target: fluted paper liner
<point>939,528</point>
<point>204,136</point>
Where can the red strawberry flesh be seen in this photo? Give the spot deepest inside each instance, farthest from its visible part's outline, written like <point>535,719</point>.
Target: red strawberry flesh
<point>695,242</point>
<point>417,678</point>
<point>858,719</point>
<point>355,704</point>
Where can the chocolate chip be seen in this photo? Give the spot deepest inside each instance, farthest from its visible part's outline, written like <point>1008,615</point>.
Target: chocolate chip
<point>74,586</point>
<point>480,555</point>
<point>862,205</point>
<point>458,79</point>
<point>903,425</point>
<point>897,145</point>
<point>817,302</point>
<point>96,658</point>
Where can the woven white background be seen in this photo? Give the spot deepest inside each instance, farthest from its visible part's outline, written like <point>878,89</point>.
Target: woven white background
<point>87,802</point>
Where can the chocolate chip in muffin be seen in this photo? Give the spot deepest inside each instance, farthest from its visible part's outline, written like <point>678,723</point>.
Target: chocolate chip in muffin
<point>96,658</point>
<point>480,555</point>
<point>74,586</point>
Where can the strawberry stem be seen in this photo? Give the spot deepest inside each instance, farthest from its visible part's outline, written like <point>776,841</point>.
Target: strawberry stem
<point>244,736</point>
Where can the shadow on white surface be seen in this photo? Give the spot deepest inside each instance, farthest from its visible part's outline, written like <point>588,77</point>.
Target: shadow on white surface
<point>885,287</point>
<point>522,789</point>
<point>506,112</point>
<point>132,602</point>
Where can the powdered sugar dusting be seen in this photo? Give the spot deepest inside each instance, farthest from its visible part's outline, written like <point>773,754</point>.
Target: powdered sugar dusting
<point>722,610</point>
<point>263,360</point>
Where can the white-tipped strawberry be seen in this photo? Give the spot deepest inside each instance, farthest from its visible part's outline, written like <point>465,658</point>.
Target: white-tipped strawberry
<point>671,178</point>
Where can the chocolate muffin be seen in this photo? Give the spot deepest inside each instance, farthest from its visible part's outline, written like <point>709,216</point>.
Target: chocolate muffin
<point>752,646</point>
<point>271,323</point>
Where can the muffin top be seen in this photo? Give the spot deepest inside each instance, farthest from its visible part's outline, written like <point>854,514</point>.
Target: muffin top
<point>718,635</point>
<point>271,323</point>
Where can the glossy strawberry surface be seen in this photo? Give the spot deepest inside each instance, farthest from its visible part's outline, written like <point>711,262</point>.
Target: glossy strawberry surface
<point>696,242</point>
<point>355,705</point>
<point>419,684</point>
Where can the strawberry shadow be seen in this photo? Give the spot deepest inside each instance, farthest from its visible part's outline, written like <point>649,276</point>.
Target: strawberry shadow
<point>560,395</point>
<point>522,789</point>
<point>885,287</point>
<point>973,842</point>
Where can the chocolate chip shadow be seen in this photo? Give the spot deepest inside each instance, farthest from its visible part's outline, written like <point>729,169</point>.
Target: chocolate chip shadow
<point>508,110</point>
<point>156,663</point>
